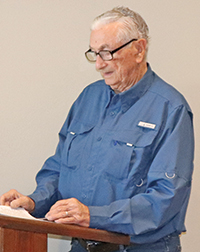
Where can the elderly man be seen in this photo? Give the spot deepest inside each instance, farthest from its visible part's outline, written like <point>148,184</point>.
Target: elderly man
<point>124,160</point>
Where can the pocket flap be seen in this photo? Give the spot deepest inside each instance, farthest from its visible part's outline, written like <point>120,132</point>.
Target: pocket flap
<point>137,137</point>
<point>77,128</point>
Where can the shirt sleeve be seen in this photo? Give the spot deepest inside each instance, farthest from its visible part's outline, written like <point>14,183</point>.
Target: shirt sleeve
<point>46,192</point>
<point>164,202</point>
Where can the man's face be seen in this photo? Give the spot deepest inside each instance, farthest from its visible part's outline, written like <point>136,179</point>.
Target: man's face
<point>123,70</point>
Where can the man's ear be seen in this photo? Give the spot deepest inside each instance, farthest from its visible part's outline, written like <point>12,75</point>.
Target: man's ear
<point>141,45</point>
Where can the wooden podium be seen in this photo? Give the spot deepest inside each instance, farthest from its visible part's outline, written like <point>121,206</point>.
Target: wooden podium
<point>22,235</point>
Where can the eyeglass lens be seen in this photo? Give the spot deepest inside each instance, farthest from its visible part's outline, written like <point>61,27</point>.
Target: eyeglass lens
<point>92,56</point>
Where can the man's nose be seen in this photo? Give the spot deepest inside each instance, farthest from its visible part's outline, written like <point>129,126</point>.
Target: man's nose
<point>100,63</point>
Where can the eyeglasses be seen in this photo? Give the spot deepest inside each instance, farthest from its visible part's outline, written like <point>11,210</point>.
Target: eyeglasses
<point>104,54</point>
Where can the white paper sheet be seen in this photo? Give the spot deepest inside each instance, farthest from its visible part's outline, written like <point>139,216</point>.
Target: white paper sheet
<point>18,212</point>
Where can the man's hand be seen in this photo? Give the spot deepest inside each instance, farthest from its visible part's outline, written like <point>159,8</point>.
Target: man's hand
<point>15,199</point>
<point>69,211</point>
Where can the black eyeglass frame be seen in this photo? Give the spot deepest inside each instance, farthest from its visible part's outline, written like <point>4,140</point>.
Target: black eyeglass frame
<point>111,52</point>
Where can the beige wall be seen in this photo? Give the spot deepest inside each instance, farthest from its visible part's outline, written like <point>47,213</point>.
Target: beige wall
<point>43,69</point>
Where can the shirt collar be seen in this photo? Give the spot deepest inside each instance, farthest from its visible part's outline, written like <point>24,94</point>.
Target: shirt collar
<point>132,95</point>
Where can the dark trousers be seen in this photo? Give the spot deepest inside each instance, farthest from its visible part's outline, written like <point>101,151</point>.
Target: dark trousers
<point>170,243</point>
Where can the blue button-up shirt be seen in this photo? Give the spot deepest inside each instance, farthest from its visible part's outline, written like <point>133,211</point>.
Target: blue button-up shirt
<point>127,156</point>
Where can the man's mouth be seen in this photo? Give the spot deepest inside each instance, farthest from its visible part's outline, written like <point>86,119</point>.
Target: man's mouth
<point>107,74</point>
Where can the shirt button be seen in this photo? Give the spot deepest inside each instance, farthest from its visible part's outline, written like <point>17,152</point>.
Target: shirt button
<point>112,113</point>
<point>84,196</point>
<point>90,168</point>
<point>99,138</point>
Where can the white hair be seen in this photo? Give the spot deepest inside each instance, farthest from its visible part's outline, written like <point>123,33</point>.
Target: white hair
<point>133,25</point>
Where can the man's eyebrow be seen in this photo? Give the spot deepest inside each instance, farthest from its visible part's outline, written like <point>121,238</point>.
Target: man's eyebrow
<point>102,47</point>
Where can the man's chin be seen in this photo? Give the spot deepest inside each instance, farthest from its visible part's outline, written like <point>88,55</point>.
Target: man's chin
<point>108,81</point>
<point>111,84</point>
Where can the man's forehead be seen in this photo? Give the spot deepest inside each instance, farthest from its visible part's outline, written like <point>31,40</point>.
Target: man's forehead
<point>105,36</point>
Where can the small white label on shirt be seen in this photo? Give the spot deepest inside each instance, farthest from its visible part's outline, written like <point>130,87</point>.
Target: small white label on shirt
<point>72,133</point>
<point>147,125</point>
<point>129,144</point>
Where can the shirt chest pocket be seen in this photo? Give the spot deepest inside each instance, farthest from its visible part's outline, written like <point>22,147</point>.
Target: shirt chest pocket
<point>131,152</point>
<point>74,145</point>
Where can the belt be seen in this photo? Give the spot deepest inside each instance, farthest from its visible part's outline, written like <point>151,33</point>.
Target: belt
<point>95,246</point>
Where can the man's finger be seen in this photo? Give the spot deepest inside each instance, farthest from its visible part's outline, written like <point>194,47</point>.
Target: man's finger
<point>16,203</point>
<point>25,202</point>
